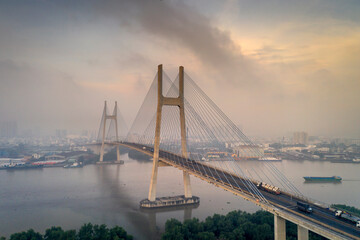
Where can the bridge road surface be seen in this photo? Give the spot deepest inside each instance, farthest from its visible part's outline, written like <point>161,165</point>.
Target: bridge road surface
<point>283,201</point>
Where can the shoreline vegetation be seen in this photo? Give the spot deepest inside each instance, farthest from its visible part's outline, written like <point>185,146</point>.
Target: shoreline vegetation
<point>87,232</point>
<point>236,225</point>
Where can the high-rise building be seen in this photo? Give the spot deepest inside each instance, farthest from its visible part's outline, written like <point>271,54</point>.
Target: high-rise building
<point>8,129</point>
<point>241,152</point>
<point>300,138</point>
<point>61,133</point>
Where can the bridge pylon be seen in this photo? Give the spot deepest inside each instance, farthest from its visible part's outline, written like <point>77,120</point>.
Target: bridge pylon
<point>169,101</point>
<point>107,116</point>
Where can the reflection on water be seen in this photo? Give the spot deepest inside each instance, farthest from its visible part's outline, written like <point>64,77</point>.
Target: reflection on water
<point>151,213</point>
<point>109,186</point>
<point>111,195</point>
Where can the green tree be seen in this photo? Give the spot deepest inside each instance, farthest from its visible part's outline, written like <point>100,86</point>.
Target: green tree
<point>191,228</point>
<point>101,232</point>
<point>53,233</point>
<point>175,233</point>
<point>238,234</point>
<point>69,235</point>
<point>28,235</point>
<point>117,233</point>
<point>263,232</point>
<point>86,232</point>
<point>172,223</point>
<point>205,236</point>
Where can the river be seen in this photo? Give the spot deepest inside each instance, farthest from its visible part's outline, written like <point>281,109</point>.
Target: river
<point>41,198</point>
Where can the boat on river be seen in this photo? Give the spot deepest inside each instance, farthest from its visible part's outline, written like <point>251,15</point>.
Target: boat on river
<point>323,179</point>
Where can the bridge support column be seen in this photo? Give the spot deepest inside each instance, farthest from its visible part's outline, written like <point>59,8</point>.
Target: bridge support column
<point>279,228</point>
<point>303,233</point>
<point>153,180</point>
<point>103,129</point>
<point>117,134</point>
<point>170,101</point>
<point>103,136</point>
<point>186,176</point>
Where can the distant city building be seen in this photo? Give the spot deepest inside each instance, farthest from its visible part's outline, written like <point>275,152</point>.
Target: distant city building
<point>248,152</point>
<point>27,133</point>
<point>61,133</point>
<point>347,141</point>
<point>85,133</point>
<point>8,129</point>
<point>300,138</point>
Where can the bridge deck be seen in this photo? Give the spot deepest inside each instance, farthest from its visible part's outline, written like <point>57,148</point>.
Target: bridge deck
<point>321,221</point>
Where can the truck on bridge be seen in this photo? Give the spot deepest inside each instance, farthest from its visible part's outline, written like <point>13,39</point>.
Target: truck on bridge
<point>268,188</point>
<point>304,207</point>
<point>348,217</point>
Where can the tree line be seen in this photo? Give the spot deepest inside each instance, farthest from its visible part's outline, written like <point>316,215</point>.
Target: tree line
<point>86,232</point>
<point>236,225</point>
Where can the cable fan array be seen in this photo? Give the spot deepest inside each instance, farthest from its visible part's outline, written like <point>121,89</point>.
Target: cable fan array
<point>212,138</point>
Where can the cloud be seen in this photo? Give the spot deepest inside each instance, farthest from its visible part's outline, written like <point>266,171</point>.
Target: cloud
<point>42,98</point>
<point>281,80</point>
<point>179,24</point>
<point>110,50</point>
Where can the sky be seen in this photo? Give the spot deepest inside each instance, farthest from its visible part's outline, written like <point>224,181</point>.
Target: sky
<point>274,67</point>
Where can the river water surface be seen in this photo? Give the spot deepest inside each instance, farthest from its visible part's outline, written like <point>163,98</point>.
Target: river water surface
<point>41,198</point>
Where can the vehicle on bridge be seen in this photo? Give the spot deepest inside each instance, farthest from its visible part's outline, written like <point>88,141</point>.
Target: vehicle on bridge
<point>304,207</point>
<point>269,188</point>
<point>348,217</point>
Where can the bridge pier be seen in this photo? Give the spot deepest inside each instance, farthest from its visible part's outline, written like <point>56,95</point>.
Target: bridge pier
<point>117,134</point>
<point>103,136</point>
<point>109,117</point>
<point>187,198</point>
<point>279,228</point>
<point>303,233</point>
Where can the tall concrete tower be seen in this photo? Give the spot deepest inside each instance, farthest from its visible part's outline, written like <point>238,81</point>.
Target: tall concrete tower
<point>169,101</point>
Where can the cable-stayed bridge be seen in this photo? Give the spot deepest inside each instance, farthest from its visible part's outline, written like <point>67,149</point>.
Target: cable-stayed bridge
<point>180,126</point>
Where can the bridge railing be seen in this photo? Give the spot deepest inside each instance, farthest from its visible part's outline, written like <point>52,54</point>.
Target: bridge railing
<point>307,199</point>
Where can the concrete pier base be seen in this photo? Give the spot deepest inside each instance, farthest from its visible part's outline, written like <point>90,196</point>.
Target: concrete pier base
<point>169,202</point>
<point>110,162</point>
<point>279,228</point>
<point>303,233</point>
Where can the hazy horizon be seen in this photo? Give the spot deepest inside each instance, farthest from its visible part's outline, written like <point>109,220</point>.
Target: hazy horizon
<point>274,67</point>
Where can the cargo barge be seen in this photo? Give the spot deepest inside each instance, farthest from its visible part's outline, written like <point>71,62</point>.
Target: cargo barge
<point>323,179</point>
